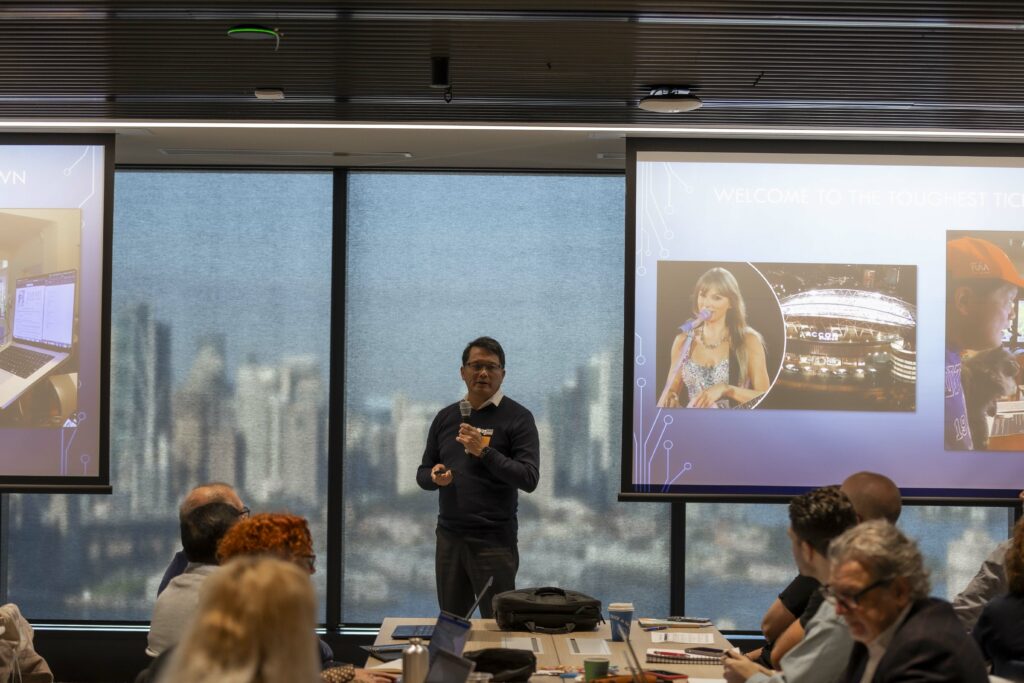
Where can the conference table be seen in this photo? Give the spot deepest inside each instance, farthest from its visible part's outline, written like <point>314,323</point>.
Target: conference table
<point>555,652</point>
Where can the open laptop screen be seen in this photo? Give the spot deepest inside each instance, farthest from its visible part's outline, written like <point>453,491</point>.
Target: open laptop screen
<point>450,634</point>
<point>44,309</point>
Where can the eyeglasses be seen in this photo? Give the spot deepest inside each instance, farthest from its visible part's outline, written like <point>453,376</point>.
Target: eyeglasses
<point>244,513</point>
<point>849,601</point>
<point>478,367</point>
<point>310,561</point>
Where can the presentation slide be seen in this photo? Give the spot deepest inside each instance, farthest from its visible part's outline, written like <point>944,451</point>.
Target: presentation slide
<point>797,317</point>
<point>53,236</point>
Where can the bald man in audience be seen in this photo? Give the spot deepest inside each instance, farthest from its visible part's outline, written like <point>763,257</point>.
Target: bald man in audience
<point>201,532</point>
<point>204,494</point>
<point>874,496</point>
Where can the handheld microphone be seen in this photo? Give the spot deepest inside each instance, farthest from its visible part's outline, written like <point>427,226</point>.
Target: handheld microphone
<point>693,323</point>
<point>465,408</point>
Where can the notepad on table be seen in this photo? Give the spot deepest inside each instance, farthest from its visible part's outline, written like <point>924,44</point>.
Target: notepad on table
<point>589,646</point>
<point>523,643</point>
<point>660,655</point>
<point>647,622</point>
<point>703,638</point>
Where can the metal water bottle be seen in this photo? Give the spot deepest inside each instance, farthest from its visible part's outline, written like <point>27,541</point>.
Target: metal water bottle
<point>415,662</point>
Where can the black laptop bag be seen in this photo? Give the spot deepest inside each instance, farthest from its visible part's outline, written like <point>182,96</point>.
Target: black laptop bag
<point>546,610</point>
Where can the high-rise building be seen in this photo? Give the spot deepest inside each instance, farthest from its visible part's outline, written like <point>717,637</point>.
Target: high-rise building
<point>204,426</point>
<point>584,430</point>
<point>140,409</point>
<point>303,403</point>
<point>411,423</point>
<point>258,413</point>
<point>369,441</point>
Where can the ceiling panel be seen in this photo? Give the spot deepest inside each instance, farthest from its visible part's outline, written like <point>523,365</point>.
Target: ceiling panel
<point>827,64</point>
<point>952,66</point>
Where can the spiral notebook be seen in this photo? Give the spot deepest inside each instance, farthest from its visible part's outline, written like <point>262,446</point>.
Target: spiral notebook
<point>660,655</point>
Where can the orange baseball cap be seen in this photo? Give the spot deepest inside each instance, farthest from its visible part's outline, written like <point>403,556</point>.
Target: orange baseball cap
<point>971,258</point>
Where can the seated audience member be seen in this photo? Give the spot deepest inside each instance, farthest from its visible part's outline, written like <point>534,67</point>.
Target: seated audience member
<point>201,531</point>
<point>204,494</point>
<point>19,662</point>
<point>878,584</point>
<point>287,537</point>
<point>252,625</point>
<point>989,582</point>
<point>271,533</point>
<point>874,496</point>
<point>815,518</point>
<point>1000,628</point>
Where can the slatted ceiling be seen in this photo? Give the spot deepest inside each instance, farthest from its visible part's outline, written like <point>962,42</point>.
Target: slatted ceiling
<point>152,59</point>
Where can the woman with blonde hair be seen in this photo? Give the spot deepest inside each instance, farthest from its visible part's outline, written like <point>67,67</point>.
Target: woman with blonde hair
<point>717,359</point>
<point>287,537</point>
<point>253,625</point>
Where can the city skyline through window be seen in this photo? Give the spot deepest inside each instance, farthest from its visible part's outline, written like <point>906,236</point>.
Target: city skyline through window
<point>535,261</point>
<point>220,343</point>
<point>220,311</point>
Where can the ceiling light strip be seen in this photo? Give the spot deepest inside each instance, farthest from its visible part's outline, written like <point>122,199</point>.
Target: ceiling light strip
<point>683,19</point>
<point>14,125</point>
<point>29,13</point>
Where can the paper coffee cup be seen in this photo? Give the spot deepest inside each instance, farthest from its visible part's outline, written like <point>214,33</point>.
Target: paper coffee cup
<point>620,615</point>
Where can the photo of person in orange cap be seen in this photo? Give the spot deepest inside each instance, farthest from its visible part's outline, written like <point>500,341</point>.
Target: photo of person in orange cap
<point>982,285</point>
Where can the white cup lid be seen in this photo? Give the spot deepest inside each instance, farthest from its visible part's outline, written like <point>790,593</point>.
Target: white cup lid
<point>619,606</point>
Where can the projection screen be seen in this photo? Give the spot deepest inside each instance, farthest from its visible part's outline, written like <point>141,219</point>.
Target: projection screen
<point>786,318</point>
<point>55,216</point>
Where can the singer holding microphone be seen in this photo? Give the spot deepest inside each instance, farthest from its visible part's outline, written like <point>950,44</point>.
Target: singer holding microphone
<point>480,452</point>
<point>717,360</point>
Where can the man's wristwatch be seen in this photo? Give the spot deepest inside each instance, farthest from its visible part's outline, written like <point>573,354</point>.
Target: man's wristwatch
<point>485,451</point>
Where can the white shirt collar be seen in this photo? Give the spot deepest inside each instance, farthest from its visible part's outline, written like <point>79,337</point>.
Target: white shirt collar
<point>885,637</point>
<point>495,399</point>
<point>877,647</point>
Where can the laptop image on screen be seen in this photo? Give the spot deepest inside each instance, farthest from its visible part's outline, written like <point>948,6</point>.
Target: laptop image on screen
<point>41,338</point>
<point>426,631</point>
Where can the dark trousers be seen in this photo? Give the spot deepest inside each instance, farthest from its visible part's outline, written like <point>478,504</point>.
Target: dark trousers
<point>463,565</point>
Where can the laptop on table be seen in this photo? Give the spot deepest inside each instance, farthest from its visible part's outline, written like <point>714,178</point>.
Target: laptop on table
<point>426,631</point>
<point>41,338</point>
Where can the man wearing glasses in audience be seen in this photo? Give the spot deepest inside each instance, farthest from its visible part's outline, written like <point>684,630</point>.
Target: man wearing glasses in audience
<point>201,530</point>
<point>815,518</point>
<point>878,584</point>
<point>479,463</point>
<point>204,494</point>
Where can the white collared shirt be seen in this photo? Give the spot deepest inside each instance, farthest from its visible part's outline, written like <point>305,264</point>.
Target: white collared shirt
<point>877,647</point>
<point>495,399</point>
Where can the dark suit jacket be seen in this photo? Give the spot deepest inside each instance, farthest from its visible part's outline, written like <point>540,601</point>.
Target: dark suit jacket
<point>1000,634</point>
<point>930,646</point>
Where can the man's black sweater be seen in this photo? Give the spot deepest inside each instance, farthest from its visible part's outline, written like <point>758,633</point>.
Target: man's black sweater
<point>482,500</point>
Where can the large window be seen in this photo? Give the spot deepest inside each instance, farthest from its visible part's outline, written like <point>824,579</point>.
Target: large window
<point>738,558</point>
<point>535,261</point>
<point>220,344</point>
<point>219,351</point>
